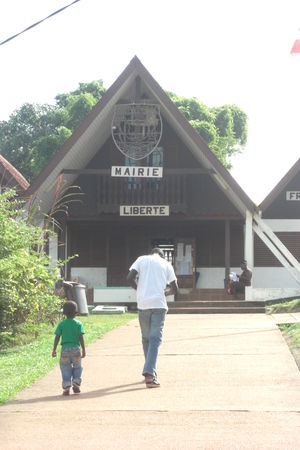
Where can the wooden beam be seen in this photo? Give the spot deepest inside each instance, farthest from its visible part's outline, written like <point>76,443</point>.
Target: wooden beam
<point>173,217</point>
<point>187,171</point>
<point>276,252</point>
<point>277,242</point>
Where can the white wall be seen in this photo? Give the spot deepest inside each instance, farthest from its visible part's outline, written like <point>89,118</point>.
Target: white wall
<point>271,293</point>
<point>53,247</point>
<point>278,225</point>
<point>209,278</point>
<point>213,277</point>
<point>263,277</point>
<point>118,295</point>
<point>90,276</point>
<point>273,277</point>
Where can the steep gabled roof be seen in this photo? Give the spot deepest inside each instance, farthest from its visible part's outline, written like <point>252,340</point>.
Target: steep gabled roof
<point>11,177</point>
<point>95,129</point>
<point>288,177</point>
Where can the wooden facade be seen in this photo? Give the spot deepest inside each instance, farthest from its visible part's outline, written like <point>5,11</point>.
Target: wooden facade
<point>198,211</point>
<point>204,231</point>
<point>115,244</point>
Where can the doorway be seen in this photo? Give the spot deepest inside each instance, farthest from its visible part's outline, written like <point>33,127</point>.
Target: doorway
<point>185,262</point>
<point>167,246</point>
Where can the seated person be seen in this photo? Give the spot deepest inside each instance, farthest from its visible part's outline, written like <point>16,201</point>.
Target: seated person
<point>245,279</point>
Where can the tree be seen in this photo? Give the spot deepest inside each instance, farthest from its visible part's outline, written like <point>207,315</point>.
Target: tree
<point>224,129</point>
<point>20,135</point>
<point>34,133</point>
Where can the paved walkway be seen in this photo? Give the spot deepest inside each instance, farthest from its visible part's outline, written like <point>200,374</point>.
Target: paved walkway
<point>227,382</point>
<point>286,318</point>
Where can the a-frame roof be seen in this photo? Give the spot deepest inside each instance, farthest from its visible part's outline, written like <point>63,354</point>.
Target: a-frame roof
<point>273,195</point>
<point>95,129</point>
<point>11,177</point>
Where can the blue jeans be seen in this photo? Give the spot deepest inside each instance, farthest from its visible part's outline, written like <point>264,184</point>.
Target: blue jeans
<point>152,325</point>
<point>70,366</point>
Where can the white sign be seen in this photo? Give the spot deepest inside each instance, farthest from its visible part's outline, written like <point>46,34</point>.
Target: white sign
<point>293,195</point>
<point>144,210</point>
<point>136,171</point>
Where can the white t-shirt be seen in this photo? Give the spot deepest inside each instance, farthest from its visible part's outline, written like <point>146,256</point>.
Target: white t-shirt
<point>154,273</point>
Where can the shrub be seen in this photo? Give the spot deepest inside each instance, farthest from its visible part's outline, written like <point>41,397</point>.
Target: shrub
<point>26,276</point>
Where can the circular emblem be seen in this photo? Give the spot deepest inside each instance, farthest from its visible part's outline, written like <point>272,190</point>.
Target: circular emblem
<point>137,129</point>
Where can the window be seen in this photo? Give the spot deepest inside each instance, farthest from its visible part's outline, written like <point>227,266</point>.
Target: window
<point>155,159</point>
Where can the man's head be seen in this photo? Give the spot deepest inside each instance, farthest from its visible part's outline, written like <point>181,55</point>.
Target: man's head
<point>243,264</point>
<point>70,309</point>
<point>157,251</point>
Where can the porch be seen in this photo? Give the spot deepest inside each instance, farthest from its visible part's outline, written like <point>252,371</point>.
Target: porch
<point>197,301</point>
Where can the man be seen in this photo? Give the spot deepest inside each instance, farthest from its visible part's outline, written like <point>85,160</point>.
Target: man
<point>150,275</point>
<point>245,279</point>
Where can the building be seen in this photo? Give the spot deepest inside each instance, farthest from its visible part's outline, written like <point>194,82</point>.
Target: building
<point>148,179</point>
<point>280,212</point>
<point>10,177</point>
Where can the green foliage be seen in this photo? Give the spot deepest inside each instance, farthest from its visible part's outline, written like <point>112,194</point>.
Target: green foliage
<point>45,148</point>
<point>34,133</point>
<point>284,307</point>
<point>26,276</point>
<point>78,107</point>
<point>293,333</point>
<point>207,130</point>
<point>224,129</point>
<point>95,88</point>
<point>20,135</point>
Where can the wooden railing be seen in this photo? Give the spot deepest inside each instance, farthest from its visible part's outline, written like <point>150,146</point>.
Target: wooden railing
<point>113,192</point>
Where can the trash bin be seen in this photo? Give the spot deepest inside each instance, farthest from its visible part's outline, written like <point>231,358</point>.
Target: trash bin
<point>76,292</point>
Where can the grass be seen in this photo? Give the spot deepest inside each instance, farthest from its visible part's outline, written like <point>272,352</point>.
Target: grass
<point>284,307</point>
<point>291,334</point>
<point>23,364</point>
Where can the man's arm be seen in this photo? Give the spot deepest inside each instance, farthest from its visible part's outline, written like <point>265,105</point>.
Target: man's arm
<point>131,278</point>
<point>173,289</point>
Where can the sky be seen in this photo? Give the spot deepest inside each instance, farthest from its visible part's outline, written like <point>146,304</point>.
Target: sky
<point>220,51</point>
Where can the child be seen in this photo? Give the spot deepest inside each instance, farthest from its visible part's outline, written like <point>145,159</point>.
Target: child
<point>71,332</point>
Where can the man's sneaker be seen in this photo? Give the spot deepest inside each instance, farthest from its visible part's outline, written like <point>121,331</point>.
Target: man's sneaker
<point>148,375</point>
<point>66,391</point>
<point>76,388</point>
<point>152,382</point>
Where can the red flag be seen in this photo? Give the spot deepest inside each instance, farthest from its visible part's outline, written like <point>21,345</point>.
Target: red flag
<point>296,46</point>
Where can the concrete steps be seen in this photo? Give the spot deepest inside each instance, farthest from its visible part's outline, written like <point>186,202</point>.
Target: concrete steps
<point>207,294</point>
<point>217,310</point>
<point>211,303</point>
<point>196,304</point>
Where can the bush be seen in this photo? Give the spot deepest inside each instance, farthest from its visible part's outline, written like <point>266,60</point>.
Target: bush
<point>26,276</point>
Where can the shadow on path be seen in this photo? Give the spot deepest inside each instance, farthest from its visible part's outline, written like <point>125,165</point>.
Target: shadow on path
<point>120,389</point>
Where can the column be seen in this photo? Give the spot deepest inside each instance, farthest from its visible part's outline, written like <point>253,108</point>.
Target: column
<point>227,248</point>
<point>249,240</point>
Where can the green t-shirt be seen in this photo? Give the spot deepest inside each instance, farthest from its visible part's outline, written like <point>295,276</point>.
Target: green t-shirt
<point>69,330</point>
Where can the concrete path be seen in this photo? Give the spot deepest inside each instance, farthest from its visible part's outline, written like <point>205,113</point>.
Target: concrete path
<point>227,382</point>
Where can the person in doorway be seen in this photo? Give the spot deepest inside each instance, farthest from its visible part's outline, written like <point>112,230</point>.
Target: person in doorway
<point>71,333</point>
<point>150,275</point>
<point>243,280</point>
